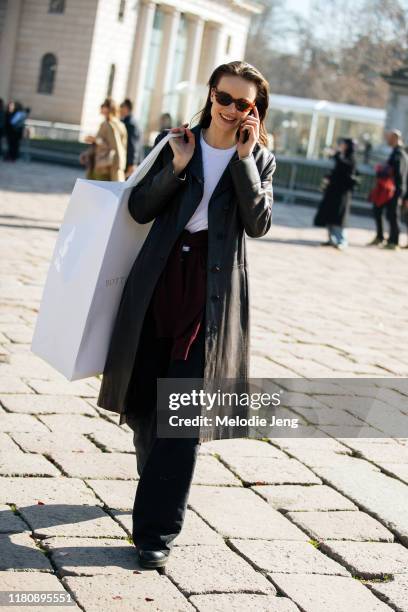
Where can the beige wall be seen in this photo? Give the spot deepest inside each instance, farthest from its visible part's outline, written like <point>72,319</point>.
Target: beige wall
<point>87,39</point>
<point>112,44</point>
<point>69,37</point>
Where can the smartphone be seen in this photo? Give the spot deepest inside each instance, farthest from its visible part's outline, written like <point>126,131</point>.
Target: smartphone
<point>246,134</point>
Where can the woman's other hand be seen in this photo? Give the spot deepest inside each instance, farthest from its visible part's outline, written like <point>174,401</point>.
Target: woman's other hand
<point>90,139</point>
<point>182,151</point>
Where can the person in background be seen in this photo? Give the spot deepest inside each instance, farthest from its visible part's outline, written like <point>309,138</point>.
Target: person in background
<point>134,154</point>
<point>379,196</point>
<point>404,215</point>
<point>16,116</point>
<point>335,205</point>
<point>2,124</point>
<point>398,163</point>
<point>166,122</point>
<point>110,145</point>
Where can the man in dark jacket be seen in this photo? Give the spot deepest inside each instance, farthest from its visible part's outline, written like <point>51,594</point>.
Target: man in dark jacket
<point>398,161</point>
<point>135,137</point>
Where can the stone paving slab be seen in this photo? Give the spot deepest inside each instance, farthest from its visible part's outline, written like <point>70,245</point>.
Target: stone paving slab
<point>313,458</point>
<point>13,384</point>
<point>114,441</point>
<point>315,593</point>
<point>297,498</point>
<point>29,491</point>
<point>19,552</point>
<point>15,423</point>
<point>92,556</point>
<point>365,486</point>
<point>27,365</point>
<point>24,464</point>
<point>393,592</point>
<point>237,602</point>
<point>118,494</point>
<point>33,581</point>
<point>73,423</point>
<point>142,592</point>
<point>389,452</point>
<point>400,470</point>
<point>60,387</point>
<point>46,404</point>
<point>7,444</point>
<point>209,471</point>
<point>72,521</point>
<point>9,521</point>
<point>341,525</point>
<point>266,470</point>
<point>195,531</point>
<point>288,557</point>
<point>238,522</point>
<point>369,559</point>
<point>53,442</point>
<point>120,466</point>
<point>207,569</point>
<point>241,447</point>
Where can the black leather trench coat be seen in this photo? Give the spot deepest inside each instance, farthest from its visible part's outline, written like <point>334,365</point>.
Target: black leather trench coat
<point>240,204</point>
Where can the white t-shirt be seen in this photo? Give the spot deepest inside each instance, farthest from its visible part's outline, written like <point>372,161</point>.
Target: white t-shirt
<point>214,163</point>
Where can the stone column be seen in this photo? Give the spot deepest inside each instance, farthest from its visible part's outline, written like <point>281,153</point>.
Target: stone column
<point>216,47</point>
<point>171,23</point>
<point>8,43</point>
<point>195,30</point>
<point>140,54</point>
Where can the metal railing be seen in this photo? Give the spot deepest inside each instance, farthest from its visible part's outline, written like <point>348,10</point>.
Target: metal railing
<point>298,180</point>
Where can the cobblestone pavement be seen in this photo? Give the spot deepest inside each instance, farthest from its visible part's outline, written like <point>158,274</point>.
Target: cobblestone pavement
<point>279,524</point>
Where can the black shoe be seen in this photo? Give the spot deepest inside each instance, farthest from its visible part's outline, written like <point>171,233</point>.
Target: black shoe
<point>153,558</point>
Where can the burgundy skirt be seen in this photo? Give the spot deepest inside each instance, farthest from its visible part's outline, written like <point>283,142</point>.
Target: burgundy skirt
<point>179,297</point>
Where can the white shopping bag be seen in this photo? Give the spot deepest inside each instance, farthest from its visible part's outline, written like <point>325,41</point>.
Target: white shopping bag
<point>96,247</point>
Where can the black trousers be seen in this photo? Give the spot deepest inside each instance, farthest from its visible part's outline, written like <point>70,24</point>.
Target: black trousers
<point>165,465</point>
<point>392,218</point>
<point>378,216</point>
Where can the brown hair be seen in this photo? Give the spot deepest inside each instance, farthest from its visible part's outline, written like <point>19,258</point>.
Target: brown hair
<point>111,106</point>
<point>250,73</point>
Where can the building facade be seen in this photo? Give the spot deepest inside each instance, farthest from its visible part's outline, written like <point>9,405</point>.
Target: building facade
<point>397,106</point>
<point>63,57</point>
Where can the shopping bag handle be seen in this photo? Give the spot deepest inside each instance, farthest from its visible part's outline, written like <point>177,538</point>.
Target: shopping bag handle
<point>144,167</point>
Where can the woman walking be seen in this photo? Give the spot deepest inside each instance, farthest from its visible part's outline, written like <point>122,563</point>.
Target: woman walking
<point>184,310</point>
<point>110,146</point>
<point>335,205</point>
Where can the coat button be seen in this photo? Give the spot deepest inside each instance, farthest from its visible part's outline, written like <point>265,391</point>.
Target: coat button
<point>215,297</point>
<point>226,206</point>
<point>162,257</point>
<point>215,268</point>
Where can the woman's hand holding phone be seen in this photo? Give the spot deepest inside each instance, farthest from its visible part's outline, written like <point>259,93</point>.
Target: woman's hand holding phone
<point>182,147</point>
<point>248,134</point>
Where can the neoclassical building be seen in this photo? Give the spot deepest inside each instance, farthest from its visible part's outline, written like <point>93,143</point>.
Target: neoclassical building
<point>62,57</point>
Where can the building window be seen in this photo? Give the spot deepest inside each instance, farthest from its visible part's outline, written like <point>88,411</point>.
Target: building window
<point>56,6</point>
<point>121,13</point>
<point>48,71</point>
<point>111,80</point>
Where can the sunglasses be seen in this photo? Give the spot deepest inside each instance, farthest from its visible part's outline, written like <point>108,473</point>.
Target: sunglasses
<point>225,99</point>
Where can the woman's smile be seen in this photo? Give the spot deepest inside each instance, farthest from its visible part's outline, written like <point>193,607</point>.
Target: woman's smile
<point>227,119</point>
